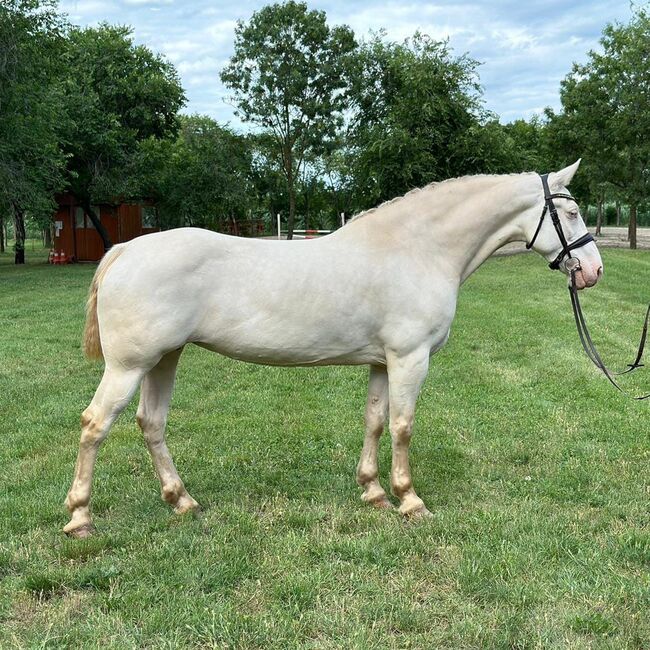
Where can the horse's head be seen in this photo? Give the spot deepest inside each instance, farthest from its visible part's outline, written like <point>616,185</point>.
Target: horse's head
<point>559,233</point>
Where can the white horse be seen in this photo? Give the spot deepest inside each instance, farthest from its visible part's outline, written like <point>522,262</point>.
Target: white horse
<point>381,291</point>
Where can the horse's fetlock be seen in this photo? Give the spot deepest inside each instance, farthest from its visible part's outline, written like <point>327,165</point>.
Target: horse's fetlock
<point>74,500</point>
<point>172,491</point>
<point>365,475</point>
<point>401,485</point>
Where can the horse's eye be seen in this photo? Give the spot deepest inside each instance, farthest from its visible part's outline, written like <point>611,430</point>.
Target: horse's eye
<point>573,214</point>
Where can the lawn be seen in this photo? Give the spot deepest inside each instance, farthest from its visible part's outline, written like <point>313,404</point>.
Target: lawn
<point>536,470</point>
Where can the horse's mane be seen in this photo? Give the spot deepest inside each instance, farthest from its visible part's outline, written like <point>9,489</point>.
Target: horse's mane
<point>431,186</point>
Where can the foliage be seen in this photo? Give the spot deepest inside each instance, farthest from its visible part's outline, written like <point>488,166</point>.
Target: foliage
<point>606,111</point>
<point>416,109</point>
<point>31,104</point>
<point>201,179</point>
<point>120,94</point>
<point>288,76</point>
<point>341,127</point>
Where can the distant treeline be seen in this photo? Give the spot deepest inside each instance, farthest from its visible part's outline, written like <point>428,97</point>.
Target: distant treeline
<point>338,124</point>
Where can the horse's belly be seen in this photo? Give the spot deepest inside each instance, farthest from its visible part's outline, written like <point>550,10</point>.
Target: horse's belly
<point>292,346</point>
<point>297,355</point>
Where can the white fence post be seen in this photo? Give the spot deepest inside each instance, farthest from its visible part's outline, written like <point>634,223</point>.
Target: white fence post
<point>279,227</point>
<point>342,218</point>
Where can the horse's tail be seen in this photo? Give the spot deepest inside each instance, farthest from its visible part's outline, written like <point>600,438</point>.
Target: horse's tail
<point>92,344</point>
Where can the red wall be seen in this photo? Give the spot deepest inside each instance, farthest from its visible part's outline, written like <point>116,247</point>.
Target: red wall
<point>78,238</point>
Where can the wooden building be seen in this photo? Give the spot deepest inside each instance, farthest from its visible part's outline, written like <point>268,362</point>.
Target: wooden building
<point>75,235</point>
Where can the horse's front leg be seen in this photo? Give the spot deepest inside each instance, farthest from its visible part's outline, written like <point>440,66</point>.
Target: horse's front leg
<point>376,412</point>
<point>406,374</point>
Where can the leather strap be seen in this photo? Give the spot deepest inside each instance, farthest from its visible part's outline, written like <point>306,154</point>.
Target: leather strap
<point>590,348</point>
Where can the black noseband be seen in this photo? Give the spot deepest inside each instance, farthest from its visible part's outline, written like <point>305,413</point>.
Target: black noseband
<point>549,207</point>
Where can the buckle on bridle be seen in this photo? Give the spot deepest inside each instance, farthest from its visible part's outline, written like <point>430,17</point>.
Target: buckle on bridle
<point>572,264</point>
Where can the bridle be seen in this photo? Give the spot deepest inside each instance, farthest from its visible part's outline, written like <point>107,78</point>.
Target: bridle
<point>572,265</point>
<point>549,207</point>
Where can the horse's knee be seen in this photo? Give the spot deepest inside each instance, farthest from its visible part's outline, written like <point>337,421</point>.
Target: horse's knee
<point>93,430</point>
<point>151,426</point>
<point>401,430</point>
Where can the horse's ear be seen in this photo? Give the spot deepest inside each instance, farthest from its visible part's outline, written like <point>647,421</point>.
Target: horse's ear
<point>562,178</point>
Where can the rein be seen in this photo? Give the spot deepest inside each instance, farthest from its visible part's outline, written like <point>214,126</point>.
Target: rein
<point>581,324</point>
<point>590,348</point>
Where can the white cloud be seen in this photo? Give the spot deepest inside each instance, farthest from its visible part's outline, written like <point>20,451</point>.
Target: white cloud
<point>223,31</point>
<point>200,65</point>
<point>515,38</point>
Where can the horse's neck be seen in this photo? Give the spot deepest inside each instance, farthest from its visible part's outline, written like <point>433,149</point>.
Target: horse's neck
<point>458,224</point>
<point>480,229</point>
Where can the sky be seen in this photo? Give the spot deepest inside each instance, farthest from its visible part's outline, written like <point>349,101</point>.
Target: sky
<point>525,47</point>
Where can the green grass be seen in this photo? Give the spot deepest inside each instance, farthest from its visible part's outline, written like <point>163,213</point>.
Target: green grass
<point>535,469</point>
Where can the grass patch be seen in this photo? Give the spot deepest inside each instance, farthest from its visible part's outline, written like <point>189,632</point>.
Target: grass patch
<point>535,469</point>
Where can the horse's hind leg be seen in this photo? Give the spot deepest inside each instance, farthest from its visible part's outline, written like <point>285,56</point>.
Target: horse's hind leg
<point>155,396</point>
<point>406,376</point>
<point>376,412</point>
<point>113,394</point>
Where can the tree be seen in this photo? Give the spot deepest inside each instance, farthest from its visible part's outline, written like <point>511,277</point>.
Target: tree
<point>119,94</point>
<point>31,103</point>
<point>288,76</point>
<point>202,179</point>
<point>606,104</point>
<point>417,110</point>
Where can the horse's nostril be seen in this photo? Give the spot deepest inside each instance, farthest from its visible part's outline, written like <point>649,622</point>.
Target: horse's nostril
<point>600,272</point>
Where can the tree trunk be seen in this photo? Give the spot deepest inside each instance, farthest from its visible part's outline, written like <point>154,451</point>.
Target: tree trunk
<point>307,196</point>
<point>599,217</point>
<point>19,234</point>
<point>99,226</point>
<point>47,237</point>
<point>292,212</point>
<point>618,213</point>
<point>288,158</point>
<point>631,229</point>
<point>2,234</point>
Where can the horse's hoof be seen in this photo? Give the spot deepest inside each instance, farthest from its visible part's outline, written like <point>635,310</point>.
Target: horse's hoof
<point>185,505</point>
<point>382,503</point>
<point>377,497</point>
<point>79,532</point>
<point>420,513</point>
<point>414,510</point>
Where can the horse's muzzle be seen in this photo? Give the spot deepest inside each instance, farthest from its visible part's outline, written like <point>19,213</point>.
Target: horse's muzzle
<point>587,276</point>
